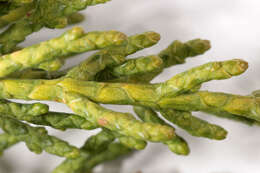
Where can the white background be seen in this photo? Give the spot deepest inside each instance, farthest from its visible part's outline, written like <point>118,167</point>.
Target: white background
<point>232,27</point>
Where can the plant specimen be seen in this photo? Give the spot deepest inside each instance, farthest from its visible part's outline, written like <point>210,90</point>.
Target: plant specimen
<point>106,77</point>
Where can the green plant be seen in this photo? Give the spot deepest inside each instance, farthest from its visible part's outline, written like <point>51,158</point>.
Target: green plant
<point>106,77</point>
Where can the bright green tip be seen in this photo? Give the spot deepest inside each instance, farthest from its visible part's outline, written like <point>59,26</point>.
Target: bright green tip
<point>199,46</point>
<point>221,134</point>
<point>180,149</point>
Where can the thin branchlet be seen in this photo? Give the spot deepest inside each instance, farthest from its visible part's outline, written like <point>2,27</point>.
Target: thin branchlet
<point>37,138</point>
<point>106,77</point>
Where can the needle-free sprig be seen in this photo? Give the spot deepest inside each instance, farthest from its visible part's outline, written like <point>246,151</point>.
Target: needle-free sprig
<point>106,77</point>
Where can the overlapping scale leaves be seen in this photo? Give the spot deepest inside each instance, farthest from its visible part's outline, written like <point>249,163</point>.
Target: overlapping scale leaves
<point>108,76</point>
